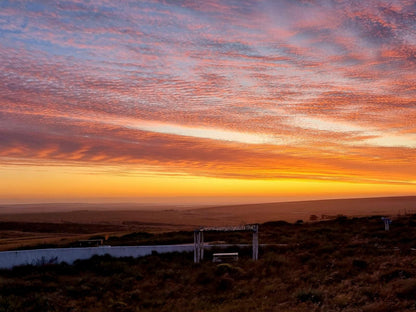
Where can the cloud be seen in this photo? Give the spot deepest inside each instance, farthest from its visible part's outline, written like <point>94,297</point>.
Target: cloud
<point>257,89</point>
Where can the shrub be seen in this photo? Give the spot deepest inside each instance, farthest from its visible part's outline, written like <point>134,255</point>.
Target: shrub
<point>377,307</point>
<point>406,289</point>
<point>326,249</point>
<point>396,274</point>
<point>341,218</point>
<point>276,223</point>
<point>359,264</point>
<point>10,303</point>
<point>342,300</point>
<point>371,292</point>
<point>311,295</point>
<point>313,218</point>
<point>204,278</point>
<point>225,283</point>
<point>227,268</point>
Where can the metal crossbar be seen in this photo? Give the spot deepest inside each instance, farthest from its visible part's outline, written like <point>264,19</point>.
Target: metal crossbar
<point>247,227</point>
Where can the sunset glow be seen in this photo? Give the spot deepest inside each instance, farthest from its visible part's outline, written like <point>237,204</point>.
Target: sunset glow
<point>108,100</point>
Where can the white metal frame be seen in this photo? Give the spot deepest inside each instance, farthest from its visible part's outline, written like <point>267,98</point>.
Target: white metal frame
<point>199,238</point>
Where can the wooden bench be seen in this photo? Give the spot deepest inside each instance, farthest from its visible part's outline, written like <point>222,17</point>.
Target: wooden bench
<point>225,257</point>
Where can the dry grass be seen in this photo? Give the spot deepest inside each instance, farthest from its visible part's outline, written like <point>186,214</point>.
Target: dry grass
<point>339,265</point>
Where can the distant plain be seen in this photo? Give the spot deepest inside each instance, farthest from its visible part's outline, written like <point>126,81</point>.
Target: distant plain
<point>33,224</point>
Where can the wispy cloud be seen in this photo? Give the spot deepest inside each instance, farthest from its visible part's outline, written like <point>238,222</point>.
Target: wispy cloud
<point>255,89</point>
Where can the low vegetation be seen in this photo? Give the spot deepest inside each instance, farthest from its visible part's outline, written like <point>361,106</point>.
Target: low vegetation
<point>345,264</point>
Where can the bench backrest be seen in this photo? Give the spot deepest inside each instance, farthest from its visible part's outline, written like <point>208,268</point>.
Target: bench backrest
<point>225,257</point>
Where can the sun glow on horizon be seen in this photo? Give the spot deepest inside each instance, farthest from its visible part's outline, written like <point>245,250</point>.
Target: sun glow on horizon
<point>54,184</point>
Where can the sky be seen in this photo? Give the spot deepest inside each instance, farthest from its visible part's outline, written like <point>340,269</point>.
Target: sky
<point>157,100</point>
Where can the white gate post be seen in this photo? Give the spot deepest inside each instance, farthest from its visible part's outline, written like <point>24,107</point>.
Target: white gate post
<point>197,246</point>
<point>256,242</point>
<point>202,246</point>
<point>387,222</point>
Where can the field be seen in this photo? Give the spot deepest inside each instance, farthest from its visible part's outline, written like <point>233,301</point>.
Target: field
<point>25,226</point>
<point>329,255</point>
<point>344,264</point>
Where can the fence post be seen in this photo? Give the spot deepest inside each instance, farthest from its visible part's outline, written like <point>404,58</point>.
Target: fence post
<point>256,242</point>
